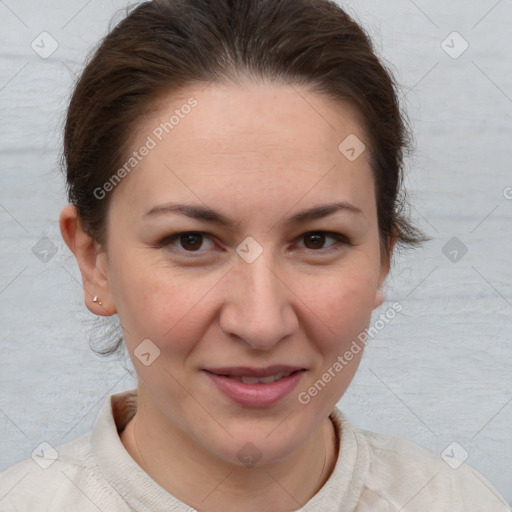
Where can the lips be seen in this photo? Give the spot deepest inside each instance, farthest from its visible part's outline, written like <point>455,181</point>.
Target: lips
<point>250,375</point>
<point>256,387</point>
<point>260,380</point>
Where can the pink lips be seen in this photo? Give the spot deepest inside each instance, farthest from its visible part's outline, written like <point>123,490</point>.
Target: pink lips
<point>228,381</point>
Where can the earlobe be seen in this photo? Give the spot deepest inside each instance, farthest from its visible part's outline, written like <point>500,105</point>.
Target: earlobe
<point>379,297</point>
<point>91,259</point>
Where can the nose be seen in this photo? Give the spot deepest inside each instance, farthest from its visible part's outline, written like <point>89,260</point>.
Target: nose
<point>259,305</point>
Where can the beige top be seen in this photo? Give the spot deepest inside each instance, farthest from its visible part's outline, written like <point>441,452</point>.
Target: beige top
<point>373,472</point>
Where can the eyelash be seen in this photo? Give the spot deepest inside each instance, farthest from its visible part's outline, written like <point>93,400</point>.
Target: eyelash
<point>340,239</point>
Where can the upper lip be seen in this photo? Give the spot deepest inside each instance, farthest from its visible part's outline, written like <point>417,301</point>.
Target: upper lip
<point>247,371</point>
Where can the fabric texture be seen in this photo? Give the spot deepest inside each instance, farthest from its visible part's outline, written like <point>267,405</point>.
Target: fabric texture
<point>373,473</point>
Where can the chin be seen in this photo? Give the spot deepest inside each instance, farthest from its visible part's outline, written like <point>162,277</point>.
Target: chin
<point>250,447</point>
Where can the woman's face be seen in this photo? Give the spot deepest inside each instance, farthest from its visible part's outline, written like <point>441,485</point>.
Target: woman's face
<point>245,244</point>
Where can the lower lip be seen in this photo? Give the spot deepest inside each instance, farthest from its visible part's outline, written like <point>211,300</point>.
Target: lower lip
<point>256,395</point>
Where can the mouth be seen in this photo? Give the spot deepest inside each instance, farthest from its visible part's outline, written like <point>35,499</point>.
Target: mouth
<point>261,380</point>
<point>257,380</point>
<point>251,375</point>
<point>256,387</point>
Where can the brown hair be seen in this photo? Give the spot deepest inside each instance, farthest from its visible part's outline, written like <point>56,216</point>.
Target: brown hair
<point>163,46</point>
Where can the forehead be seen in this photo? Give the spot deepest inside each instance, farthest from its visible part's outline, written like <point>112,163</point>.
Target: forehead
<point>272,140</point>
<point>244,116</point>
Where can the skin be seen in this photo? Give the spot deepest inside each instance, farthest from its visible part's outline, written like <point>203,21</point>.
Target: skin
<point>257,153</point>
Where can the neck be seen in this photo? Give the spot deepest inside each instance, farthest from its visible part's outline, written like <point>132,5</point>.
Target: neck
<point>207,483</point>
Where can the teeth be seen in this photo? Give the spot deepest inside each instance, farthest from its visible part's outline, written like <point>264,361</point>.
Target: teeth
<point>250,380</point>
<point>271,378</point>
<point>262,380</point>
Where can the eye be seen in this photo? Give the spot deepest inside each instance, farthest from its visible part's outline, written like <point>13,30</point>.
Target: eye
<point>316,240</point>
<point>188,241</point>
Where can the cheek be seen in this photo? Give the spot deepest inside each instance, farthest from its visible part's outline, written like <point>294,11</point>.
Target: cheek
<point>344,305</point>
<point>152,301</point>
<point>342,301</point>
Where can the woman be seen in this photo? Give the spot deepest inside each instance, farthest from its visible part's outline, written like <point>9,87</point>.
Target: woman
<point>234,174</point>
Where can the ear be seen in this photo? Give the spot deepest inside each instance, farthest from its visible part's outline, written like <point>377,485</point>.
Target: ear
<point>92,260</point>
<point>385,263</point>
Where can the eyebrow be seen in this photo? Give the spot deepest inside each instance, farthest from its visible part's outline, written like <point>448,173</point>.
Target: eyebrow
<point>205,213</point>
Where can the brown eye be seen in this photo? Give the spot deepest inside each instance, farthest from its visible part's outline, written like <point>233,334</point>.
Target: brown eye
<point>188,242</point>
<point>323,241</point>
<point>314,240</point>
<point>191,241</point>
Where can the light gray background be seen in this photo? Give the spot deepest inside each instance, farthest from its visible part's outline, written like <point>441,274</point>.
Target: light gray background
<point>440,372</point>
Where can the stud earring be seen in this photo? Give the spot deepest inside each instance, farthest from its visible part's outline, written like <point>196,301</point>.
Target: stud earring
<point>97,300</point>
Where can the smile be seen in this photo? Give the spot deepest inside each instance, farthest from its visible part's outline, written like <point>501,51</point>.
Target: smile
<point>262,380</point>
<point>258,388</point>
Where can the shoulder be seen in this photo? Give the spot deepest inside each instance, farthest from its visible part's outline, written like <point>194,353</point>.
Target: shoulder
<point>65,477</point>
<point>402,474</point>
